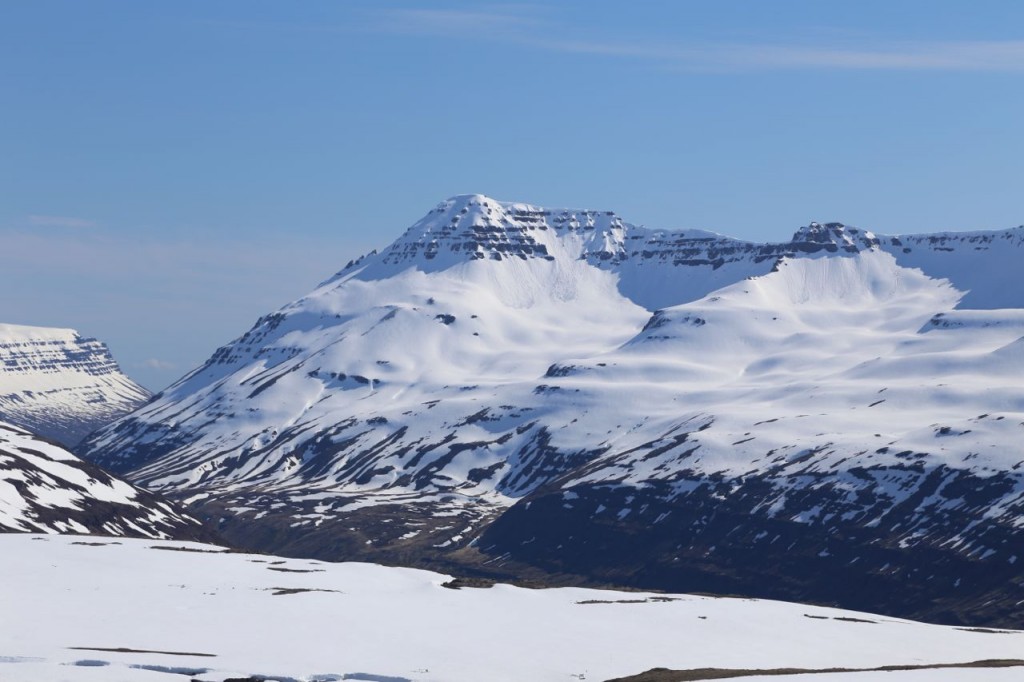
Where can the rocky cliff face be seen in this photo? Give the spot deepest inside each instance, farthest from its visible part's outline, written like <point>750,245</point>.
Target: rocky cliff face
<point>61,385</point>
<point>516,389</point>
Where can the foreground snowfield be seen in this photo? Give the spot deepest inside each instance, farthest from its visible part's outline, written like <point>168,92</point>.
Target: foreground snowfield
<point>198,611</point>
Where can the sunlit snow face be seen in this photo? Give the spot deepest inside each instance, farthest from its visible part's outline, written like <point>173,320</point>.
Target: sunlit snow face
<point>497,347</point>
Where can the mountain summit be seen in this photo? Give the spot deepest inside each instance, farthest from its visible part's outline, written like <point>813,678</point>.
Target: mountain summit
<point>834,236</point>
<point>475,227</point>
<point>526,391</point>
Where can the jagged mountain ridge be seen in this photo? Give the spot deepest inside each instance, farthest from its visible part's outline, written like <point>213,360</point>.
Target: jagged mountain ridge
<point>60,385</point>
<point>46,489</point>
<point>497,376</point>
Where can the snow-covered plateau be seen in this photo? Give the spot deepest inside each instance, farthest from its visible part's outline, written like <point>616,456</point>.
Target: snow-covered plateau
<point>91,609</point>
<point>61,385</point>
<point>562,396</point>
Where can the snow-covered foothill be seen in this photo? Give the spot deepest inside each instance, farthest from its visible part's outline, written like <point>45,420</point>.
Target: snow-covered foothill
<point>44,488</point>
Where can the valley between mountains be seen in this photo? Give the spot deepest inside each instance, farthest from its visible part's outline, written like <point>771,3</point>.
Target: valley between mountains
<point>563,398</point>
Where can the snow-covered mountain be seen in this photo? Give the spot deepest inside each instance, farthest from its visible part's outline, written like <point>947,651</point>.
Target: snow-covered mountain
<point>837,417</point>
<point>137,611</point>
<point>46,489</point>
<point>61,385</point>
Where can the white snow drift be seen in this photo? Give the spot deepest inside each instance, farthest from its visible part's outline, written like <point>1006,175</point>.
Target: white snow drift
<point>92,609</point>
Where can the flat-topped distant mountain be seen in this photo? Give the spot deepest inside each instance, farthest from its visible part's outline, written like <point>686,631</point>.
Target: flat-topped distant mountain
<point>61,385</point>
<point>559,394</point>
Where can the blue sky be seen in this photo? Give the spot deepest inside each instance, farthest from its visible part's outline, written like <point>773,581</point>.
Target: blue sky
<point>171,171</point>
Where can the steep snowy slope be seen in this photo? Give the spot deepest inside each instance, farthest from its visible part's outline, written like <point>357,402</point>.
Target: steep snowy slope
<point>815,411</point>
<point>834,429</point>
<point>137,610</point>
<point>339,392</point>
<point>44,488</point>
<point>59,384</point>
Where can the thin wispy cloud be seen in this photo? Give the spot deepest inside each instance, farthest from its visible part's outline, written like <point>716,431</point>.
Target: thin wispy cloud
<point>142,292</point>
<point>522,26</point>
<point>936,56</point>
<point>499,20</point>
<point>455,22</point>
<point>60,221</point>
<point>171,260</point>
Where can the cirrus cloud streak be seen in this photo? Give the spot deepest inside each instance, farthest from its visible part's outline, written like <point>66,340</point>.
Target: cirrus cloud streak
<point>522,26</point>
